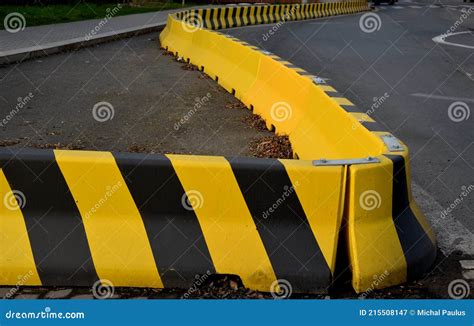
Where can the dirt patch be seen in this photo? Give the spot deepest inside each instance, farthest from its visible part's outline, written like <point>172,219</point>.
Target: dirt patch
<point>8,142</point>
<point>155,103</point>
<point>235,105</point>
<point>255,121</point>
<point>58,146</point>
<point>272,147</point>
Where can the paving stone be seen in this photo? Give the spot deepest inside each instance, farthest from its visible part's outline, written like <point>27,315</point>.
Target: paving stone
<point>58,294</point>
<point>467,264</point>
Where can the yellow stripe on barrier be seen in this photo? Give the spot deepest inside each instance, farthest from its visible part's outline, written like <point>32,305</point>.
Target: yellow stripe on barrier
<point>238,21</point>
<point>229,230</point>
<point>17,264</point>
<point>115,231</point>
<point>327,88</point>
<point>374,247</point>
<point>362,117</point>
<point>342,101</point>
<point>323,205</point>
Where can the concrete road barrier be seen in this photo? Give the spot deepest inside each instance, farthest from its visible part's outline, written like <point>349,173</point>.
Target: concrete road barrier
<point>388,239</point>
<point>73,218</point>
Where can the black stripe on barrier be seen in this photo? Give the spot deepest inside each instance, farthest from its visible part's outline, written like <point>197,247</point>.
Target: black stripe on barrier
<point>211,18</point>
<point>293,250</point>
<point>174,233</point>
<point>218,18</point>
<point>305,73</point>
<point>350,108</point>
<point>373,126</point>
<point>55,229</point>
<point>233,20</point>
<point>204,20</point>
<point>418,249</point>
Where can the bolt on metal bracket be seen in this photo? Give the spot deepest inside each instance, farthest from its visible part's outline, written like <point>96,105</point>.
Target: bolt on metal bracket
<point>367,160</point>
<point>318,80</point>
<point>392,143</point>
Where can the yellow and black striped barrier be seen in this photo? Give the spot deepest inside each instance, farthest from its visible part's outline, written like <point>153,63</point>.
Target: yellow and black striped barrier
<point>236,16</point>
<point>388,239</point>
<point>75,217</point>
<point>159,221</point>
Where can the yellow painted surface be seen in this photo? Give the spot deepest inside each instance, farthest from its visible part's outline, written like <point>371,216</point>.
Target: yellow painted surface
<point>115,231</point>
<point>17,264</point>
<point>374,247</point>
<point>229,230</point>
<point>320,191</point>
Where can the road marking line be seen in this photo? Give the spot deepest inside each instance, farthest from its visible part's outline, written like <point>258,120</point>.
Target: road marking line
<point>468,275</point>
<point>440,97</point>
<point>441,39</point>
<point>451,234</point>
<point>467,264</point>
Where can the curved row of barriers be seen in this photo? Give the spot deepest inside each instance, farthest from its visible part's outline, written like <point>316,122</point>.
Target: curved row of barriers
<point>76,217</point>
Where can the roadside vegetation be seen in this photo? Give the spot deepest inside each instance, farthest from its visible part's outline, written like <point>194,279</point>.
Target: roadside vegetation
<point>38,14</point>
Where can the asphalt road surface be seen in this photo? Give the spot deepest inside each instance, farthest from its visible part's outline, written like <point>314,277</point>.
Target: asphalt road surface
<point>121,96</point>
<point>422,78</point>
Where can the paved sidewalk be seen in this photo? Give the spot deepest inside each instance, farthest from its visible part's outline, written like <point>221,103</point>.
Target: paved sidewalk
<point>48,39</point>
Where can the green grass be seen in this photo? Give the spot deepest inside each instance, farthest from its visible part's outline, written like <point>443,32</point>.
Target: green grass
<point>53,14</point>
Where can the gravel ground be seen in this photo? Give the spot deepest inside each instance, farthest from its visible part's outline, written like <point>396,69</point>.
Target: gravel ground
<point>126,96</point>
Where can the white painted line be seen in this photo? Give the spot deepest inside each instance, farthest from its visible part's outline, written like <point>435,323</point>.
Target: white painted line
<point>441,39</point>
<point>468,275</point>
<point>450,233</point>
<point>440,97</point>
<point>433,6</point>
<point>416,7</point>
<point>467,264</point>
<point>397,7</point>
